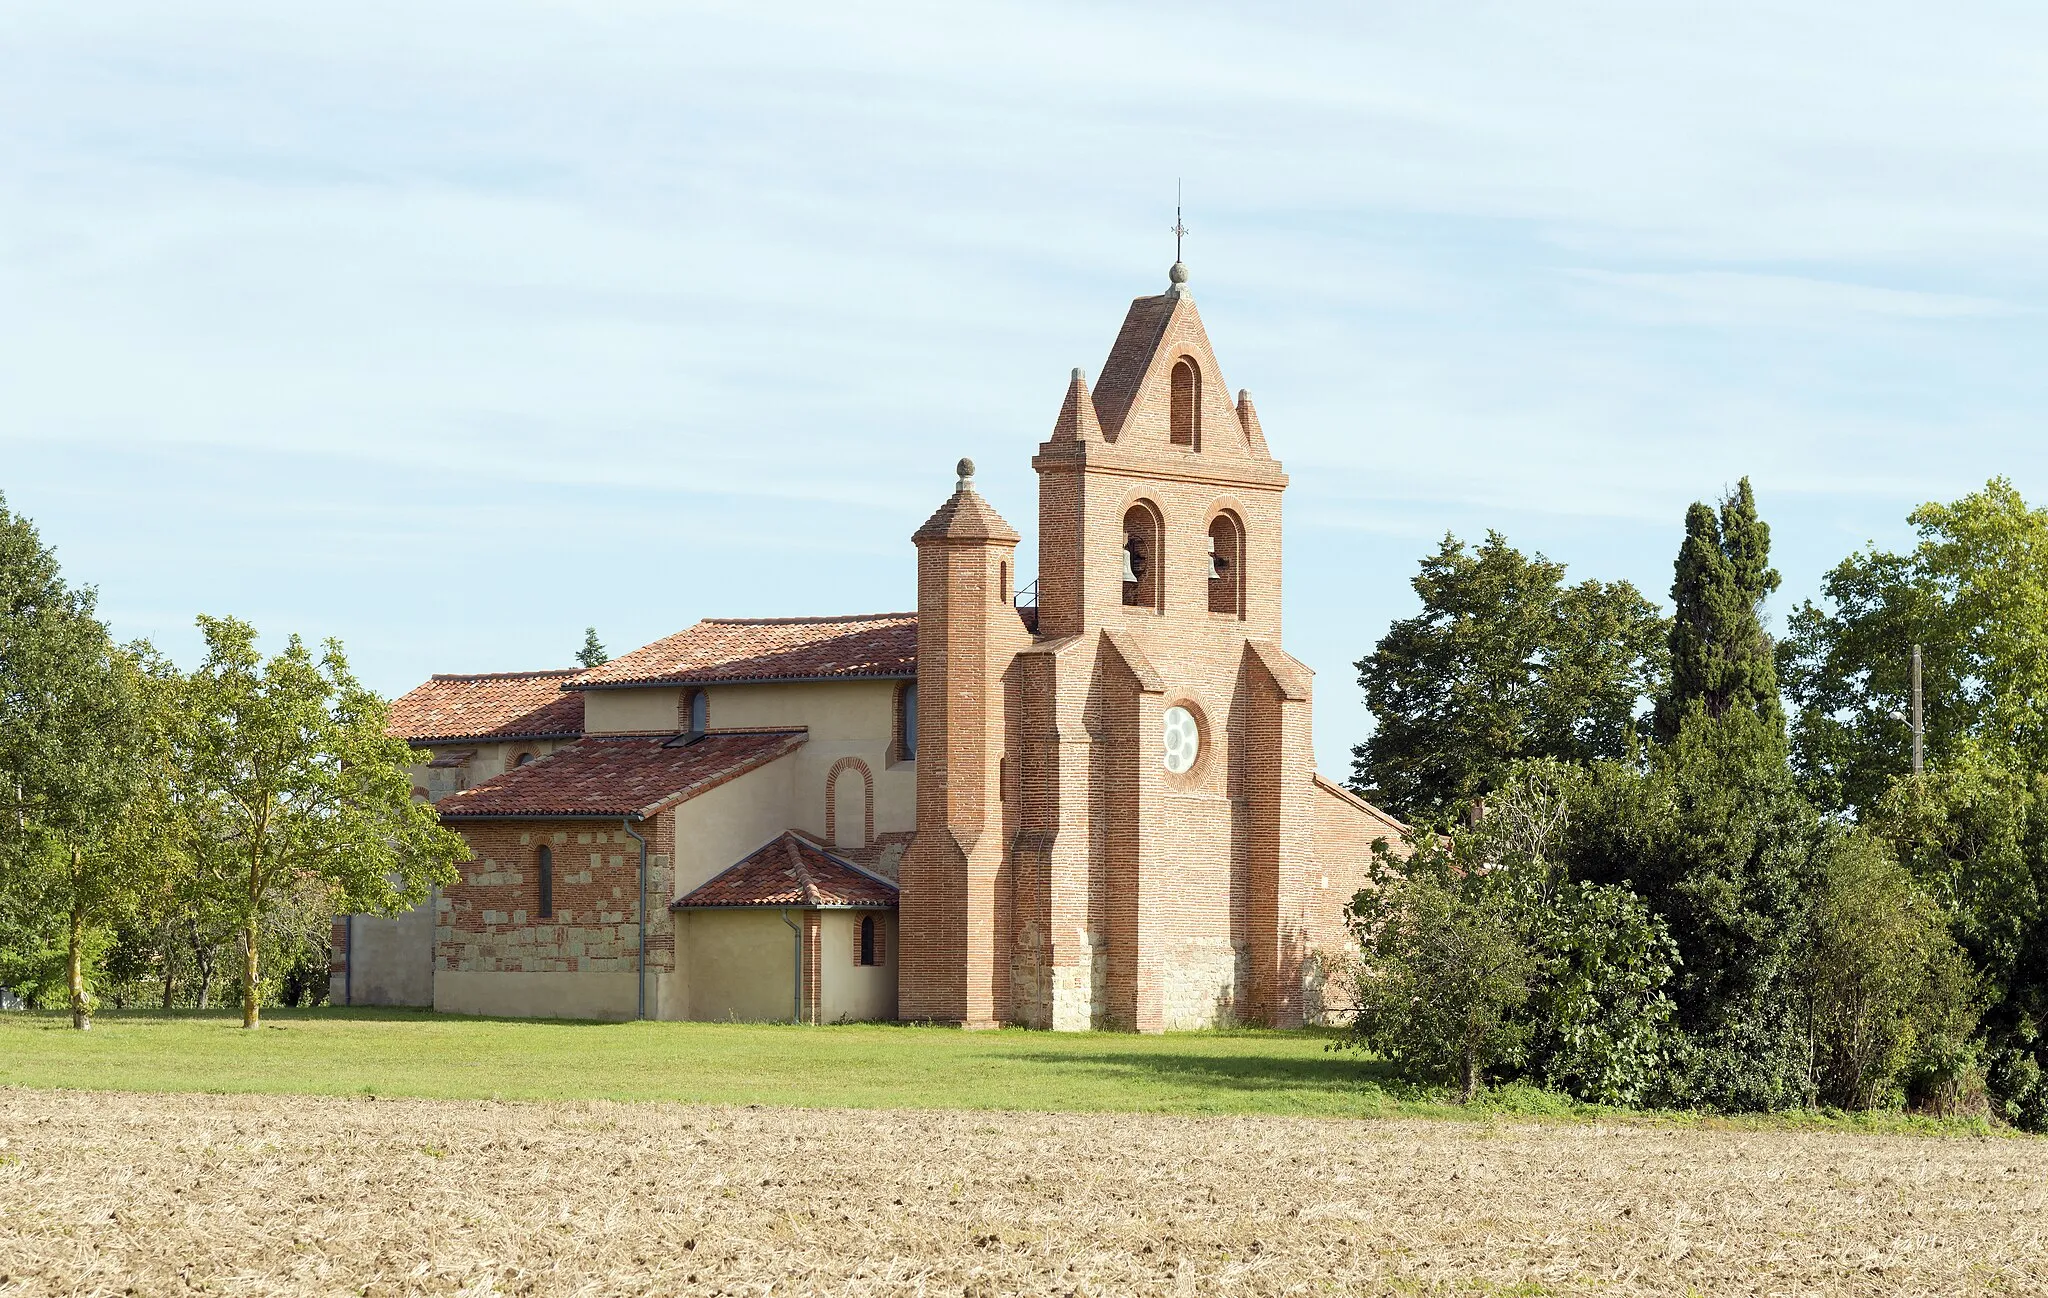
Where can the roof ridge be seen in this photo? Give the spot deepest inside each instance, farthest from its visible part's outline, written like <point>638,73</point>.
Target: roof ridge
<point>809,621</point>
<point>803,874</point>
<point>505,676</point>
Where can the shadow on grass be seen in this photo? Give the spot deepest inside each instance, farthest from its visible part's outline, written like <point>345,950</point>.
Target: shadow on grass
<point>1331,1072</point>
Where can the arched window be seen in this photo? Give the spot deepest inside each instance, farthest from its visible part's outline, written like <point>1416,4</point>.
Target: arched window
<point>906,721</point>
<point>1143,558</point>
<point>522,759</point>
<point>870,940</point>
<point>1187,404</point>
<point>1226,565</point>
<point>546,871</point>
<point>699,712</point>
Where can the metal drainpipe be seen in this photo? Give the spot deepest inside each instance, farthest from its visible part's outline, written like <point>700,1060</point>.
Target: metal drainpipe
<point>640,1009</point>
<point>348,968</point>
<point>796,991</point>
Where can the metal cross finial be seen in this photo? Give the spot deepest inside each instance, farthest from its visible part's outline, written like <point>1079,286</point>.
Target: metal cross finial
<point>1179,230</point>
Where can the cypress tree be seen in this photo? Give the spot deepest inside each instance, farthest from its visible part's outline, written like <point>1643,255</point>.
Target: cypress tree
<point>1720,655</point>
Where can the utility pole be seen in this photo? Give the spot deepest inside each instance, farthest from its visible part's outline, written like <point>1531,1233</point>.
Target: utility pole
<point>1919,717</point>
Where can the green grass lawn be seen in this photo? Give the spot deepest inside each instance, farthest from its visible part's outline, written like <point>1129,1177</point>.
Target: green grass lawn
<point>332,1051</point>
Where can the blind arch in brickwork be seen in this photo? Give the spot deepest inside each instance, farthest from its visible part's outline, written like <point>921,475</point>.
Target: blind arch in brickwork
<point>1184,421</point>
<point>833,815</point>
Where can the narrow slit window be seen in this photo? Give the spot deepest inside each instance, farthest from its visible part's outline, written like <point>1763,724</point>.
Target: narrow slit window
<point>546,871</point>
<point>870,941</point>
<point>906,702</point>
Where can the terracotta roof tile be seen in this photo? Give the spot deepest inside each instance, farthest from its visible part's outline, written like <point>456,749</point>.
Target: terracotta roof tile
<point>728,650</point>
<point>494,705</point>
<point>625,776</point>
<point>794,871</point>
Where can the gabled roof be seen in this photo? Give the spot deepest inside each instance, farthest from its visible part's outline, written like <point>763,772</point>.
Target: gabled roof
<point>731,650</point>
<point>488,706</point>
<point>637,776</point>
<point>793,871</point>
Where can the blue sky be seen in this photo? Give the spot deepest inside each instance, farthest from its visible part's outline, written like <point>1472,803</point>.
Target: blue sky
<point>448,329</point>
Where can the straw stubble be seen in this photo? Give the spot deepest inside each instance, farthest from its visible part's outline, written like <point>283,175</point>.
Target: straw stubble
<point>166,1194</point>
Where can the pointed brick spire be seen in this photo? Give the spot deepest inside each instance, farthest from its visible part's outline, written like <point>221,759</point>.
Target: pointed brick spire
<point>1248,418</point>
<point>1077,422</point>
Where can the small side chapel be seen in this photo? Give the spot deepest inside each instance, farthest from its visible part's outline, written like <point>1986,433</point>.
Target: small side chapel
<point>1088,805</point>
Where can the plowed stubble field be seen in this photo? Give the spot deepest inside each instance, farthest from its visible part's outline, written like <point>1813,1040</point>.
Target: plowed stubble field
<point>166,1194</point>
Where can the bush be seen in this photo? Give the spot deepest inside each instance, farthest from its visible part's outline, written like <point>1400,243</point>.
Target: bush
<point>1481,957</point>
<point>1892,997</point>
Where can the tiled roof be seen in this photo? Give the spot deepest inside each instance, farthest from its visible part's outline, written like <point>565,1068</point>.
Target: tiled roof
<point>494,705</point>
<point>794,871</point>
<point>729,650</point>
<point>624,776</point>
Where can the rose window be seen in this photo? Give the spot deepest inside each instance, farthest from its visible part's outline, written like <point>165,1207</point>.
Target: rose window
<point>1183,740</point>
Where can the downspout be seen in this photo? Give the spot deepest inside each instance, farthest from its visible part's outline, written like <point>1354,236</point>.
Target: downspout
<point>796,989</point>
<point>348,961</point>
<point>640,1008</point>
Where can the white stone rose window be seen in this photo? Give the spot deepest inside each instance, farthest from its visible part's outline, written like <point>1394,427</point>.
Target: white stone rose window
<point>1183,740</point>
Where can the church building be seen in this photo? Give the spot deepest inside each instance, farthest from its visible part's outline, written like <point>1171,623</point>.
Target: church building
<point>1089,804</point>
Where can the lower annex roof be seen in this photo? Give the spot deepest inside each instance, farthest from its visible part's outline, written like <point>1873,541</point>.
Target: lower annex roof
<point>627,776</point>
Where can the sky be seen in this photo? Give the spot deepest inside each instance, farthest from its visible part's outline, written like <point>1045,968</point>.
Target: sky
<point>449,329</point>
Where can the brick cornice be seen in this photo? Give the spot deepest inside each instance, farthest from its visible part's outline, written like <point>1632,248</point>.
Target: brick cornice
<point>1151,466</point>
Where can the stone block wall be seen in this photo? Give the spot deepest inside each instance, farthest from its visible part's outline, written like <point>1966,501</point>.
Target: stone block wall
<point>490,922</point>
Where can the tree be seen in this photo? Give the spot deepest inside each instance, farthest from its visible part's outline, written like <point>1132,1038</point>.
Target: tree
<point>73,756</point>
<point>1974,833</point>
<point>1885,985</point>
<point>1593,1014</point>
<point>1721,657</point>
<point>1504,663</point>
<point>592,653</point>
<point>1441,980</point>
<point>1974,594</point>
<point>1710,831</point>
<point>290,785</point>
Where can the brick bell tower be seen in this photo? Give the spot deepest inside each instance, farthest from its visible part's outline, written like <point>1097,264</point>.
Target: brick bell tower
<point>1115,811</point>
<point>1164,853</point>
<point>968,633</point>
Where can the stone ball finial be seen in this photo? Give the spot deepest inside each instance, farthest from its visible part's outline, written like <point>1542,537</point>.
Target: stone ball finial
<point>966,471</point>
<point>1179,273</point>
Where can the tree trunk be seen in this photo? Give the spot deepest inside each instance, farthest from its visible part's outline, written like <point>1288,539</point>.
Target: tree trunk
<point>81,1014</point>
<point>170,954</point>
<point>249,984</point>
<point>202,960</point>
<point>1471,1090</point>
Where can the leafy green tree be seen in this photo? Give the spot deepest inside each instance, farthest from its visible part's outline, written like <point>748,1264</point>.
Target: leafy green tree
<point>1887,988</point>
<point>1974,593</point>
<point>1974,832</point>
<point>1504,663</point>
<point>1596,1016</point>
<point>1712,834</point>
<point>290,785</point>
<point>1442,981</point>
<point>1721,657</point>
<point>73,756</point>
<point>592,653</point>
